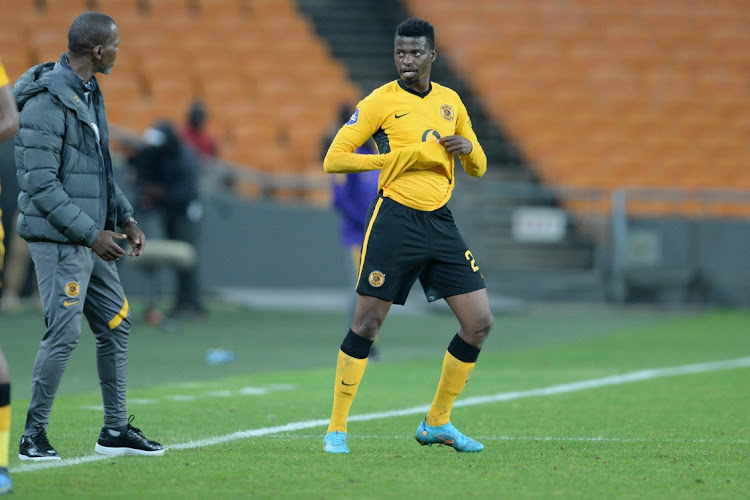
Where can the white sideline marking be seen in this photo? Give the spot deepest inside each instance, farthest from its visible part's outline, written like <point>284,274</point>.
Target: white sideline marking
<point>245,391</point>
<point>583,439</point>
<point>552,390</point>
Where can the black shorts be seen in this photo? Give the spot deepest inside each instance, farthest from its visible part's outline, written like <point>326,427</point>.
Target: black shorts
<point>402,244</point>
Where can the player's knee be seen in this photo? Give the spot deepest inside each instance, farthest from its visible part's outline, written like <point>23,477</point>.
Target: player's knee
<point>368,327</point>
<point>483,326</point>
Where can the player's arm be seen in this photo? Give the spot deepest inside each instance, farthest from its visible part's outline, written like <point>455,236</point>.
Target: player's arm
<point>466,145</point>
<point>8,108</point>
<point>341,157</point>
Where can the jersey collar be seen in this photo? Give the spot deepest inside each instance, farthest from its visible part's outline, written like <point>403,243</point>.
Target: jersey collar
<point>411,91</point>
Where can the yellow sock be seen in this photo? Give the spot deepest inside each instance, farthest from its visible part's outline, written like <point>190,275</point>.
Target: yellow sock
<point>4,434</point>
<point>452,381</point>
<point>349,373</point>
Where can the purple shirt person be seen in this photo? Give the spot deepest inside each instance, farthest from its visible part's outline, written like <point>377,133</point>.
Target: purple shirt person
<point>352,196</point>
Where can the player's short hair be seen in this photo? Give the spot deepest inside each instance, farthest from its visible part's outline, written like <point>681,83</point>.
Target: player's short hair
<point>415,28</point>
<point>89,30</point>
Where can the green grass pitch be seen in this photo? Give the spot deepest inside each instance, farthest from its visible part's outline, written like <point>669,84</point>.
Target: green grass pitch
<point>570,403</point>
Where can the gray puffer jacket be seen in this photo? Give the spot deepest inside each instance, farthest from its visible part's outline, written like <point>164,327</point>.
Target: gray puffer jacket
<point>68,191</point>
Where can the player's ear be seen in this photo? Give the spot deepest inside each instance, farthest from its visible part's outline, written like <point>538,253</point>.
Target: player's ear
<point>433,55</point>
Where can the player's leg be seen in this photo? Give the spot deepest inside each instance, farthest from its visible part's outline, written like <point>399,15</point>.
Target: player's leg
<point>108,315</point>
<point>474,316</point>
<point>453,274</point>
<point>6,485</point>
<point>350,367</point>
<point>388,268</point>
<point>63,273</point>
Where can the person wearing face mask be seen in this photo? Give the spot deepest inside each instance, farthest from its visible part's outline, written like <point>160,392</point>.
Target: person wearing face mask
<point>73,214</point>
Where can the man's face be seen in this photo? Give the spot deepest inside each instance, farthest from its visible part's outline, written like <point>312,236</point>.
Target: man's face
<point>108,52</point>
<point>413,57</point>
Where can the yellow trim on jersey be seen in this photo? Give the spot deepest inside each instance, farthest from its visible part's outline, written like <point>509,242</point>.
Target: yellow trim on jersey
<point>3,75</point>
<point>367,237</point>
<point>115,322</point>
<point>415,170</point>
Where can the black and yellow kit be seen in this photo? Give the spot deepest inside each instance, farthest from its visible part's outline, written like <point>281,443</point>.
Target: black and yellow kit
<point>410,232</point>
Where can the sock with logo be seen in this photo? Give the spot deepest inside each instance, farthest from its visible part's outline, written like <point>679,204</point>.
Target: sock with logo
<point>350,368</point>
<point>4,424</point>
<point>458,364</point>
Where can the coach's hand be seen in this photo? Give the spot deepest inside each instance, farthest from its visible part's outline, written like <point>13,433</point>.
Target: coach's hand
<point>105,247</point>
<point>456,144</point>
<point>136,239</point>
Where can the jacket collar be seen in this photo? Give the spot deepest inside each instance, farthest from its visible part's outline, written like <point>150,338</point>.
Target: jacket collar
<point>89,86</point>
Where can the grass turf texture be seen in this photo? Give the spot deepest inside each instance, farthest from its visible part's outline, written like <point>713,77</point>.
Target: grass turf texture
<point>673,437</point>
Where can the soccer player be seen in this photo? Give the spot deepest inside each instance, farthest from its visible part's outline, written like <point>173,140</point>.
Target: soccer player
<point>419,126</point>
<point>70,209</point>
<point>8,128</point>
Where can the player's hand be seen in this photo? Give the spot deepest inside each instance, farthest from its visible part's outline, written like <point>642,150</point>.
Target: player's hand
<point>105,247</point>
<point>136,239</point>
<point>456,144</point>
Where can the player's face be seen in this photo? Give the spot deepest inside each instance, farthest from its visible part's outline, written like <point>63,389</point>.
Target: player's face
<point>108,52</point>
<point>414,57</point>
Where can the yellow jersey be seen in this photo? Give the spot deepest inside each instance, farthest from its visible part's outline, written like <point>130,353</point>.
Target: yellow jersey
<point>415,170</point>
<point>3,75</point>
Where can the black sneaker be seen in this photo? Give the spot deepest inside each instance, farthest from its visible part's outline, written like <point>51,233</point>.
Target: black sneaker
<point>36,447</point>
<point>128,441</point>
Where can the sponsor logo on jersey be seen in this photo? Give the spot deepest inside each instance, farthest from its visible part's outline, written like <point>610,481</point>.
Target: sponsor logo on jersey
<point>72,289</point>
<point>354,119</point>
<point>446,111</point>
<point>376,279</point>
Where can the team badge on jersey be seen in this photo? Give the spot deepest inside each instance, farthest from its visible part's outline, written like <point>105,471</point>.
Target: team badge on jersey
<point>72,289</point>
<point>376,279</point>
<point>446,111</point>
<point>354,119</point>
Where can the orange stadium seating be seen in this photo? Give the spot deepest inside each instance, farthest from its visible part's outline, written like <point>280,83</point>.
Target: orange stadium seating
<point>615,93</point>
<point>271,85</point>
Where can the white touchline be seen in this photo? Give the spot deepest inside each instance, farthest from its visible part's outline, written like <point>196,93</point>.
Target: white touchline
<point>582,439</point>
<point>552,390</point>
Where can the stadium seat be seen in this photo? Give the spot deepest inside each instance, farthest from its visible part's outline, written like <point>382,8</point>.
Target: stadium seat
<point>628,89</point>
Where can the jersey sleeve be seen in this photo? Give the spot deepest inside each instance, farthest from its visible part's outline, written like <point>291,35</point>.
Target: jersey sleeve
<point>3,75</point>
<point>341,156</point>
<point>475,163</point>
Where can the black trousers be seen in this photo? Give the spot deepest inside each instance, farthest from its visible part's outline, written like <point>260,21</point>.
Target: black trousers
<point>178,226</point>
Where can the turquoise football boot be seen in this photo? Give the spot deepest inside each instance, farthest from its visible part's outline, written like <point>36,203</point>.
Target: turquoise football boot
<point>446,435</point>
<point>6,483</point>
<point>335,442</point>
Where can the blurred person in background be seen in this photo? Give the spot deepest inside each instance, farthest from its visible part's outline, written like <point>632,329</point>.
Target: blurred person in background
<point>419,127</point>
<point>167,179</point>
<point>8,128</point>
<point>195,134</point>
<point>195,131</point>
<point>352,196</point>
<point>71,207</point>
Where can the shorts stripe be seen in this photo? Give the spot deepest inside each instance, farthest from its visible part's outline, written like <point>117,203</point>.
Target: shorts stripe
<point>115,322</point>
<point>367,237</point>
